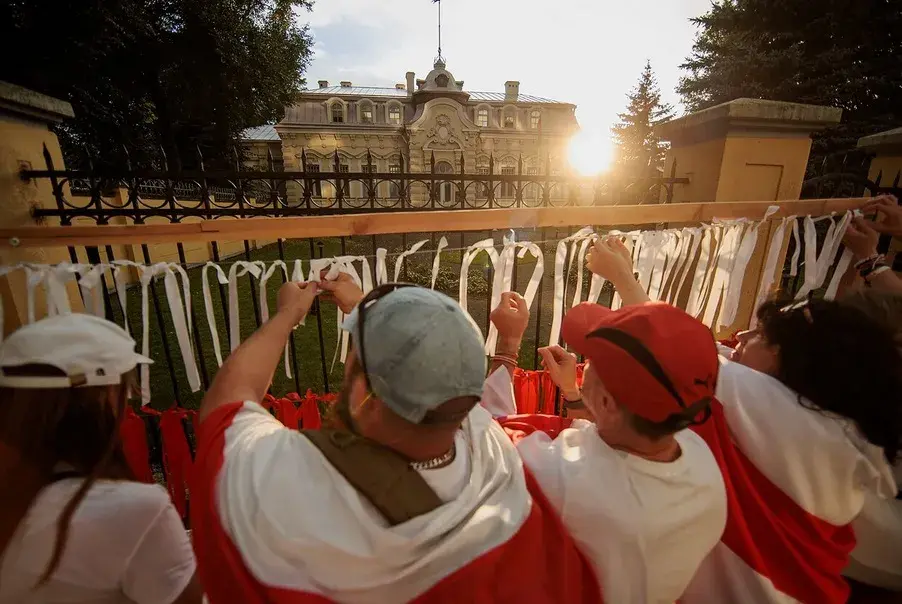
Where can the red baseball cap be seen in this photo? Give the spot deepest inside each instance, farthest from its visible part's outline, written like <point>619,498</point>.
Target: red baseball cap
<point>653,358</point>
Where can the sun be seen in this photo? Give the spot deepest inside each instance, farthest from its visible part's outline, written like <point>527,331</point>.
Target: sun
<point>590,154</point>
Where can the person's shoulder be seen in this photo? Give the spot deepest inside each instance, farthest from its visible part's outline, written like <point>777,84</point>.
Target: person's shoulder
<point>698,457</point>
<point>130,497</point>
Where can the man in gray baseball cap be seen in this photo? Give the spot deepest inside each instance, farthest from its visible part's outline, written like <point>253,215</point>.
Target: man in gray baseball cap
<point>414,492</point>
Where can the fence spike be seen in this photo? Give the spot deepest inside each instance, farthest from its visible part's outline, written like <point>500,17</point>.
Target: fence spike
<point>270,162</point>
<point>47,158</point>
<point>336,161</point>
<point>520,165</point>
<point>463,160</point>
<point>165,158</point>
<point>878,179</point>
<point>896,179</point>
<point>303,159</point>
<point>369,160</point>
<point>200,157</point>
<point>432,163</point>
<point>237,158</point>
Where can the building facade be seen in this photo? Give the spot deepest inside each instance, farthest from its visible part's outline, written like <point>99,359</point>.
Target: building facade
<point>387,130</point>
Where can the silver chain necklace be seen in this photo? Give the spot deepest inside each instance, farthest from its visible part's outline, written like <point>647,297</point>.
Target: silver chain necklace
<point>435,462</point>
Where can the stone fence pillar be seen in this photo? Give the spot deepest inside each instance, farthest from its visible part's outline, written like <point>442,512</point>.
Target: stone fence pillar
<point>25,120</point>
<point>744,150</point>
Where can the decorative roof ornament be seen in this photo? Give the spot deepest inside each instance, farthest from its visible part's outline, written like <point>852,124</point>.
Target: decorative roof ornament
<point>439,61</point>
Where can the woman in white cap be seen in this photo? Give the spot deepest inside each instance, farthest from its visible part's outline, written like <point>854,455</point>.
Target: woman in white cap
<point>74,526</point>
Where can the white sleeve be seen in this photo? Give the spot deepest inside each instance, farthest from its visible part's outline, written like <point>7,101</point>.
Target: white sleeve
<point>498,393</point>
<point>163,562</point>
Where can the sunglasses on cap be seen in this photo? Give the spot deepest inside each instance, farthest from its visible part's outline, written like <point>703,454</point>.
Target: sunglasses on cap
<point>432,417</point>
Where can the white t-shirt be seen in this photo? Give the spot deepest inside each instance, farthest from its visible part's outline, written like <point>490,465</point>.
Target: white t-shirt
<point>877,557</point>
<point>126,544</point>
<point>645,525</point>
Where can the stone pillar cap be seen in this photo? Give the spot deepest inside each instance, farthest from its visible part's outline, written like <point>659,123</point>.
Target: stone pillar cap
<point>28,104</point>
<point>884,141</point>
<point>750,114</point>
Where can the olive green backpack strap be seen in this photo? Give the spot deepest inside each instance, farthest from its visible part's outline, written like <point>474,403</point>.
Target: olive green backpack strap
<point>379,474</point>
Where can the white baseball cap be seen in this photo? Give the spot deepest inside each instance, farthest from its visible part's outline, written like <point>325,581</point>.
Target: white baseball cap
<point>91,352</point>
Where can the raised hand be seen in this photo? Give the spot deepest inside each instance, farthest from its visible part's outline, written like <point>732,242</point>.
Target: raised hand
<point>295,299</point>
<point>887,207</point>
<point>510,318</point>
<point>561,366</point>
<point>608,257</point>
<point>861,238</point>
<point>342,291</point>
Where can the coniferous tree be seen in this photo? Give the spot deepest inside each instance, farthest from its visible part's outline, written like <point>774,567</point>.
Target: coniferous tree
<point>640,151</point>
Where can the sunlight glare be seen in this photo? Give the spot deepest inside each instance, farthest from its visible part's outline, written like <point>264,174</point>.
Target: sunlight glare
<point>590,154</point>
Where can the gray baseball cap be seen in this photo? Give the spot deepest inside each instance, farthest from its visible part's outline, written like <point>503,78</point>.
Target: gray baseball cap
<point>422,350</point>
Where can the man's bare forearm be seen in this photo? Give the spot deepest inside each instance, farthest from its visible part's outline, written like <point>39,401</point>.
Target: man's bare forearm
<point>630,290</point>
<point>247,372</point>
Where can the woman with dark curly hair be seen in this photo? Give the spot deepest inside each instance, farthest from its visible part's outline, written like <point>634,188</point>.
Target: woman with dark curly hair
<point>807,424</point>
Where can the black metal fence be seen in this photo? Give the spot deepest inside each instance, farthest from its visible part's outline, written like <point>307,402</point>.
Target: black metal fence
<point>95,196</point>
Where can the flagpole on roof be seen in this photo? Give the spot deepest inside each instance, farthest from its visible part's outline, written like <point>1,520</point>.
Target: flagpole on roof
<point>439,2</point>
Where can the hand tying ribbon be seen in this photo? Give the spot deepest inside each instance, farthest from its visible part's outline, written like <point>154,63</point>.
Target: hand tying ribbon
<point>334,267</point>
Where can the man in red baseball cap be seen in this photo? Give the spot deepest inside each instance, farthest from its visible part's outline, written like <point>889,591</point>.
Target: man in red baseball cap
<point>643,496</point>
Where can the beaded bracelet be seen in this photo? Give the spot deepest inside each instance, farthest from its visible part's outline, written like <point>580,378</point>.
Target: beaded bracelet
<point>882,268</point>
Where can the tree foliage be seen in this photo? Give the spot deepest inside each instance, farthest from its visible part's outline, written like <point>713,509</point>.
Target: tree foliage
<point>640,150</point>
<point>841,53</point>
<point>145,74</point>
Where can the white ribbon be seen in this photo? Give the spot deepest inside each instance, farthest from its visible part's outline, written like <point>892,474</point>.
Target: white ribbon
<point>487,246</point>
<point>381,268</point>
<point>581,262</point>
<point>701,269</point>
<point>400,260</point>
<point>768,274</point>
<point>559,257</point>
<point>675,257</point>
<point>690,249</point>
<point>34,276</point>
<point>722,265</point>
<point>810,259</point>
<point>844,261</point>
<point>666,257</point>
<point>442,244</point>
<point>733,288</point>
<point>239,269</point>
<point>334,267</point>
<point>208,306</point>
<point>831,248</point>
<point>264,301</point>
<point>794,263</point>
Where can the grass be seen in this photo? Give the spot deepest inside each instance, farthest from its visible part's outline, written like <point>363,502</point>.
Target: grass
<point>312,353</point>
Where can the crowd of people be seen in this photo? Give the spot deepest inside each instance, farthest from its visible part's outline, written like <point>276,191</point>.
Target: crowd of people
<point>679,470</point>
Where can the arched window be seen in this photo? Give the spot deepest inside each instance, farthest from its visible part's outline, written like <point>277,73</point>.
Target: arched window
<point>482,117</point>
<point>445,189</point>
<point>394,115</point>
<point>366,112</point>
<point>535,118</point>
<point>482,188</point>
<point>337,113</point>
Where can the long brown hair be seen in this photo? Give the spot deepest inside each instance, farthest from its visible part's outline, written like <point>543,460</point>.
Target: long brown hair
<point>42,428</point>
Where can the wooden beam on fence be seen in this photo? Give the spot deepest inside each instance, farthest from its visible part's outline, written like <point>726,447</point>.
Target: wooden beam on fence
<point>380,223</point>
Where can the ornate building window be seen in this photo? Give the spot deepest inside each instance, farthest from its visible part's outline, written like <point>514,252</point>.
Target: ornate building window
<point>344,183</point>
<point>445,190</point>
<point>482,188</point>
<point>508,188</point>
<point>337,113</point>
<point>366,112</point>
<point>394,115</point>
<point>509,120</point>
<point>394,167</point>
<point>316,186</point>
<point>482,117</point>
<point>535,118</point>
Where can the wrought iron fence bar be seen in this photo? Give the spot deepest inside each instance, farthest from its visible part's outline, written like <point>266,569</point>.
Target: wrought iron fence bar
<point>317,308</point>
<point>204,376</point>
<point>292,350</point>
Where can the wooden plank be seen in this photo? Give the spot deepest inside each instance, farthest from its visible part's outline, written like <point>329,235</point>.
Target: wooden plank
<point>381,223</point>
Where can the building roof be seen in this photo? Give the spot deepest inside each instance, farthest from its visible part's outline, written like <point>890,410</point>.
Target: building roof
<point>261,133</point>
<point>369,91</point>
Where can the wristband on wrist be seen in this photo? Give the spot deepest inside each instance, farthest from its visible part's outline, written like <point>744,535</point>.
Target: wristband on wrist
<point>870,261</point>
<point>869,276</point>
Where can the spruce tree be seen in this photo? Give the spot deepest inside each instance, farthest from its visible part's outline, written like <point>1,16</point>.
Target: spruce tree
<point>640,150</point>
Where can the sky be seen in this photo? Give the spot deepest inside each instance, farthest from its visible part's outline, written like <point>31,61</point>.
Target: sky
<point>586,52</point>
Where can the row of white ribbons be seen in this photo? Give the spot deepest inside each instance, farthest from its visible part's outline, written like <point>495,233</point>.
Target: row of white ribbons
<point>663,259</point>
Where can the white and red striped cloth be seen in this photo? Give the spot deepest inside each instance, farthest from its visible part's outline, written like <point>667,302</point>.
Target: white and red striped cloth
<point>273,521</point>
<point>795,478</point>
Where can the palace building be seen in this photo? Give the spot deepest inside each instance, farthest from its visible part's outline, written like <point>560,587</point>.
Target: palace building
<point>406,126</point>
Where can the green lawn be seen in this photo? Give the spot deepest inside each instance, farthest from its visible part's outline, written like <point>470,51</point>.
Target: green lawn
<point>313,361</point>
